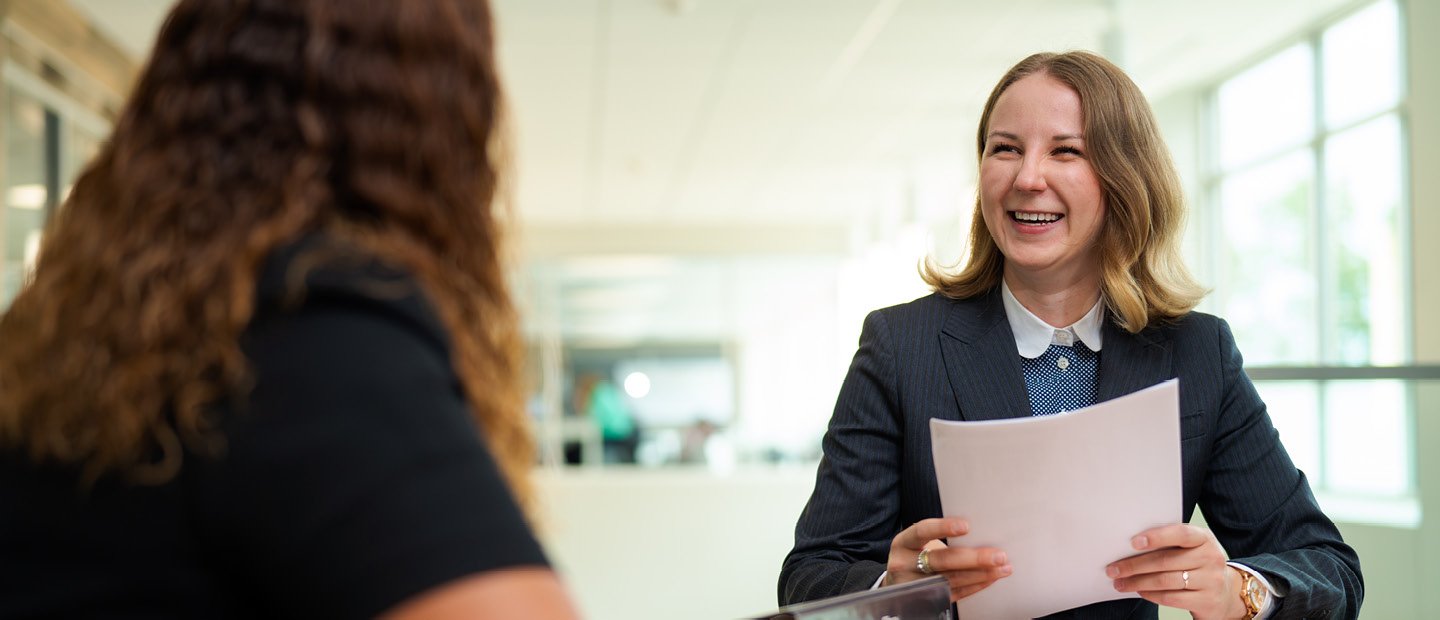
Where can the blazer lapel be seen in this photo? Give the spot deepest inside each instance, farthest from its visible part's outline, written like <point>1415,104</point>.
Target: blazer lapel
<point>982,362</point>
<point>1132,362</point>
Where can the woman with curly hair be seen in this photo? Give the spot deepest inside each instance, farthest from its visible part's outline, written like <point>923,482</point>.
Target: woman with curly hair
<point>266,365</point>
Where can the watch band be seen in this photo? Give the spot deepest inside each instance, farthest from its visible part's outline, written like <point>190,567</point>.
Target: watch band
<point>1252,593</point>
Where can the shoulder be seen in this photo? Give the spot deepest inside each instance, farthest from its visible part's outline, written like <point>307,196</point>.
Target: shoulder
<point>931,310</point>
<point>1196,337</point>
<point>923,319</point>
<point>353,474</point>
<point>905,322</point>
<point>1188,327</point>
<point>1192,328</point>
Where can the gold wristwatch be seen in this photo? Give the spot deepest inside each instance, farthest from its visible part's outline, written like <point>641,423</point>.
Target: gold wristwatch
<point>1252,593</point>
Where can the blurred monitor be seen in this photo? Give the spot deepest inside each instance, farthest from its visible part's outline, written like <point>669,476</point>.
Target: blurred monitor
<point>926,599</point>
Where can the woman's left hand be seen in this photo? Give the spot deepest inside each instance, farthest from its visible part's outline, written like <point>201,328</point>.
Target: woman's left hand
<point>1182,566</point>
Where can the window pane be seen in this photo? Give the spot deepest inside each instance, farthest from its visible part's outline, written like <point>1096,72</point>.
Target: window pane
<point>1362,194</point>
<point>1267,284</point>
<point>1294,408</point>
<point>1361,57</point>
<point>1367,449</point>
<point>1267,108</point>
<point>25,189</point>
<point>80,148</point>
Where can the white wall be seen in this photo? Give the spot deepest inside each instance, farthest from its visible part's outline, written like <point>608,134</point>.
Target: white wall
<point>638,544</point>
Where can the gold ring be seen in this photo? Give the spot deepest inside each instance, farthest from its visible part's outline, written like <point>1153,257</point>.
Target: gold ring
<point>1185,580</point>
<point>922,562</point>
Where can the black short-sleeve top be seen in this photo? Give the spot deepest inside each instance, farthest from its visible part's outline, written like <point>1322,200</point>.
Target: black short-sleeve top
<point>352,476</point>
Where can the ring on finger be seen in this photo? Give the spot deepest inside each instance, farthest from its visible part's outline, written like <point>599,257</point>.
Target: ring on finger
<point>1185,580</point>
<point>922,562</point>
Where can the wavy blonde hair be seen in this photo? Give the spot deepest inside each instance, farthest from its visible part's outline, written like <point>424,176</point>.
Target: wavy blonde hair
<point>1143,278</point>
<point>256,122</point>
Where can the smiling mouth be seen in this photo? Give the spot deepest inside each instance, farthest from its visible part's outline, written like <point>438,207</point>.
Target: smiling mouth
<point>1034,217</point>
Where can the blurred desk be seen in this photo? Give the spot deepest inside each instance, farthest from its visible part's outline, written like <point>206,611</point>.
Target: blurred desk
<point>554,433</point>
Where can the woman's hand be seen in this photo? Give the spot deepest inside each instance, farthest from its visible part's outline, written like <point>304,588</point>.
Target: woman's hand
<point>1183,566</point>
<point>969,570</point>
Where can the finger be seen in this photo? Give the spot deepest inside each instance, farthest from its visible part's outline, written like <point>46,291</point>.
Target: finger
<point>964,591</point>
<point>962,578</point>
<point>967,558</point>
<point>1176,535</point>
<point>915,536</point>
<point>1182,599</point>
<point>1161,581</point>
<point>1152,562</point>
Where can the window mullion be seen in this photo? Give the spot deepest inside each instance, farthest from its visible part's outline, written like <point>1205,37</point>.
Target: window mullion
<point>1213,221</point>
<point>1405,212</point>
<point>1323,291</point>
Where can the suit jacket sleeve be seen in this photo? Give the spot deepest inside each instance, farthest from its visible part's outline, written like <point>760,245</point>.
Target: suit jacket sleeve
<point>1261,509</point>
<point>842,539</point>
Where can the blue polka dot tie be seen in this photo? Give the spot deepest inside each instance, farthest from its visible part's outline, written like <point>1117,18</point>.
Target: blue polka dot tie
<point>1063,378</point>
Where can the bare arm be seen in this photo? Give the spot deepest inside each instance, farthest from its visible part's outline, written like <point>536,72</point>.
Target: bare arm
<point>502,594</point>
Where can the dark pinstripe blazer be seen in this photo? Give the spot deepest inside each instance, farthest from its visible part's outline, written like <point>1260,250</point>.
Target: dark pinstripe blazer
<point>941,358</point>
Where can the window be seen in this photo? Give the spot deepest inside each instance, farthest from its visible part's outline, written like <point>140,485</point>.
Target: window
<point>1312,264</point>
<point>28,124</point>
<point>49,138</point>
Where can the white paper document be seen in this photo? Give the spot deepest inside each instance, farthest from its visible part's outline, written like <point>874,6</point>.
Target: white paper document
<point>1061,495</point>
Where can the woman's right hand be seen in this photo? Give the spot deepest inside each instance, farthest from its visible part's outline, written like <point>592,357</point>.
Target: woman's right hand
<point>969,569</point>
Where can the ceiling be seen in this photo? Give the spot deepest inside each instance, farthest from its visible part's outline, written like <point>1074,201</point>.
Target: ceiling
<point>682,139</point>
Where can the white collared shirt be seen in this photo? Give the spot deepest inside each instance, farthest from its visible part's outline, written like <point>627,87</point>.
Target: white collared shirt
<point>1034,336</point>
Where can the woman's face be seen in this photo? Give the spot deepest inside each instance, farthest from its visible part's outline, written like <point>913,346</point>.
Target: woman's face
<point>1040,197</point>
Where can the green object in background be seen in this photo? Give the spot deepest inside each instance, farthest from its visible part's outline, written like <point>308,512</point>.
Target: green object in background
<point>609,411</point>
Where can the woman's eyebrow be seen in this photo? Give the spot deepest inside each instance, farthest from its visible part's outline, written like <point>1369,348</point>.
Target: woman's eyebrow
<point>1057,138</point>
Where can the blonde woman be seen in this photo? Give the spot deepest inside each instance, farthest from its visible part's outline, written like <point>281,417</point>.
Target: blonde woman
<point>1073,293</point>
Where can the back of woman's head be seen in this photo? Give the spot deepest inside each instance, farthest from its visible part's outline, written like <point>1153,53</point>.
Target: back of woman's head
<point>253,123</point>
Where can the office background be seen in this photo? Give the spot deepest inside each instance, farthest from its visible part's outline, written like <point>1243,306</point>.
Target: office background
<point>710,194</point>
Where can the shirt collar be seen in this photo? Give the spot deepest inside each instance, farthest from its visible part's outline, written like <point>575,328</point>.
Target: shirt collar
<point>1033,335</point>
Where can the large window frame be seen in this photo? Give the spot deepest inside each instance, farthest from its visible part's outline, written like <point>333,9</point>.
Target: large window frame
<point>1392,509</point>
<point>67,125</point>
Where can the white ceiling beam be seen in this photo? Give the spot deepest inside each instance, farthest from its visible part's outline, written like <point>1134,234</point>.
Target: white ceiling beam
<point>538,241</point>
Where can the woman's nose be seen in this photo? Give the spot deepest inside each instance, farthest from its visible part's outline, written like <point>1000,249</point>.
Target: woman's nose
<point>1030,177</point>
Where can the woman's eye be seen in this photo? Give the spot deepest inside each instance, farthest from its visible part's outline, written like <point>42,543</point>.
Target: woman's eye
<point>1069,150</point>
<point>1003,148</point>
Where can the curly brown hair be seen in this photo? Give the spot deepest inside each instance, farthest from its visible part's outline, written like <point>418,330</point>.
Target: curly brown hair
<point>254,123</point>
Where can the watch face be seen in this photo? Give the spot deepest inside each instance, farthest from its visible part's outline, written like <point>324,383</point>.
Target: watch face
<point>1253,594</point>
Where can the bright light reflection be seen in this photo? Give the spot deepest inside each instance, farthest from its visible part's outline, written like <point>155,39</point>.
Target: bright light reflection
<point>31,196</point>
<point>637,384</point>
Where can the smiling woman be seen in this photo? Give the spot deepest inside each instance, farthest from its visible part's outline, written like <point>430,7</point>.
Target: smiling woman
<point>1039,196</point>
<point>1095,140</point>
<point>1073,257</point>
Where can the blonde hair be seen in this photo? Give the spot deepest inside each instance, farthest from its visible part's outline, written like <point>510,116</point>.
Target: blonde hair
<point>1143,278</point>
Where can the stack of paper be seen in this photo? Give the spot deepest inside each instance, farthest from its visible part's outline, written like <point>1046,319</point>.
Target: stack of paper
<point>1061,495</point>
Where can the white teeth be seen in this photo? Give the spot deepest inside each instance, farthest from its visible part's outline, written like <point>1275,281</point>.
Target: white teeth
<point>1036,217</point>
